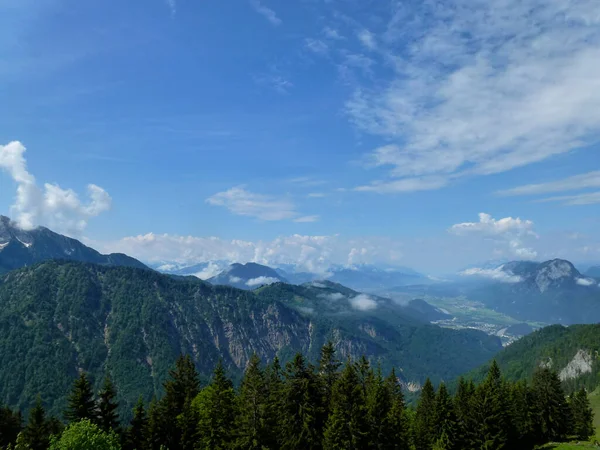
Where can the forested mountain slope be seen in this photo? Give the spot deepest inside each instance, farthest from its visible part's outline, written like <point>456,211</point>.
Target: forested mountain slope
<point>60,318</point>
<point>571,351</point>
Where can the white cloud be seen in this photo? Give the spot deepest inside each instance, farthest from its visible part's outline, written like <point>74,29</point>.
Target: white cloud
<point>482,87</point>
<point>55,207</point>
<point>582,181</point>
<point>261,281</point>
<point>573,200</point>
<point>363,302</point>
<point>334,296</point>
<point>309,253</point>
<point>211,270</point>
<point>307,219</point>
<point>316,46</point>
<point>275,81</point>
<point>508,231</point>
<point>266,12</point>
<point>497,274</point>
<point>405,185</point>
<point>244,203</point>
<point>316,195</point>
<point>234,280</point>
<point>367,39</point>
<point>585,282</point>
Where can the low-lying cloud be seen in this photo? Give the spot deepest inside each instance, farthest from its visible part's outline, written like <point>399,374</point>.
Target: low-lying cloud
<point>363,302</point>
<point>497,274</point>
<point>261,281</point>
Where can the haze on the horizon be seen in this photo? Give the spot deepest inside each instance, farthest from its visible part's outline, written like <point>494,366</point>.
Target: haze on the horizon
<point>314,132</point>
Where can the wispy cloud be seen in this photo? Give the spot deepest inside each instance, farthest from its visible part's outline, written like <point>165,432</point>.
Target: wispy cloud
<point>332,33</point>
<point>307,219</point>
<point>172,4</point>
<point>574,200</point>
<point>245,203</point>
<point>481,87</point>
<point>497,274</point>
<point>275,81</point>
<point>405,185</point>
<point>268,13</point>
<point>582,181</point>
<point>55,207</point>
<point>316,46</point>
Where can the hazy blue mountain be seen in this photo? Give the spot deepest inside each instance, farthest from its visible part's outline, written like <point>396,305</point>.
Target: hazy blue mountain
<point>429,312</point>
<point>593,271</point>
<point>367,277</point>
<point>20,248</point>
<point>552,292</point>
<point>247,276</point>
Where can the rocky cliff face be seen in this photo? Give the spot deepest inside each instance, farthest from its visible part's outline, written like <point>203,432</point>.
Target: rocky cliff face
<point>59,318</point>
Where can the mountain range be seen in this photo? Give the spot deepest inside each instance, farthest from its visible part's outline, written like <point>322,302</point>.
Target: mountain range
<point>59,318</point>
<point>20,248</point>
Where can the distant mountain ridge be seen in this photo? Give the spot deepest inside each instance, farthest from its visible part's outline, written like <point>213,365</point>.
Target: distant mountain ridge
<point>552,291</point>
<point>20,248</point>
<point>247,276</point>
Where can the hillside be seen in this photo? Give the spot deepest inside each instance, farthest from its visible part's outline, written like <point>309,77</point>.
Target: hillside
<point>572,351</point>
<point>20,248</point>
<point>59,318</point>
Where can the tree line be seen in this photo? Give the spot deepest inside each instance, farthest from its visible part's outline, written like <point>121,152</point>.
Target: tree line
<point>304,406</point>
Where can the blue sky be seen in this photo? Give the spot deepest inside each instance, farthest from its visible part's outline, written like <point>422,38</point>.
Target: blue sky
<point>315,131</point>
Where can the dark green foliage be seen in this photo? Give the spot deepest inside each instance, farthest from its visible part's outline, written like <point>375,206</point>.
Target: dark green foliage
<point>275,402</point>
<point>215,406</point>
<point>136,436</point>
<point>81,403</point>
<point>425,426</point>
<point>396,434</point>
<point>348,426</point>
<point>301,407</point>
<point>158,426</point>
<point>465,419</point>
<point>108,418</point>
<point>490,411</point>
<point>253,420</point>
<point>39,428</point>
<point>180,390</point>
<point>552,418</point>
<point>521,433</point>
<point>10,426</point>
<point>328,373</point>
<point>445,421</point>
<point>582,415</point>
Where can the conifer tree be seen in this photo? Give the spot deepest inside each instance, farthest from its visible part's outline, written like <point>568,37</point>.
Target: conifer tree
<point>521,432</point>
<point>445,420</point>
<point>328,373</point>
<point>347,427</point>
<point>397,433</point>
<point>187,422</point>
<point>108,419</point>
<point>157,427</point>
<point>252,422</point>
<point>136,437</point>
<point>182,386</point>
<point>81,404</point>
<point>275,401</point>
<point>552,411</point>
<point>215,406</point>
<point>425,426</point>
<point>464,413</point>
<point>582,414</point>
<point>37,432</point>
<point>301,407</point>
<point>378,405</point>
<point>10,426</point>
